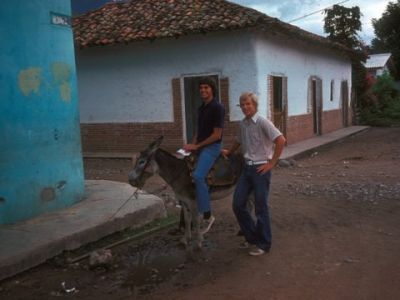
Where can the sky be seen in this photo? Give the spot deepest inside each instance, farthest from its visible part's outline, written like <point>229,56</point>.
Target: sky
<point>287,10</point>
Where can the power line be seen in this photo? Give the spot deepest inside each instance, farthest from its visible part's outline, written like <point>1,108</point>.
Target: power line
<point>307,15</point>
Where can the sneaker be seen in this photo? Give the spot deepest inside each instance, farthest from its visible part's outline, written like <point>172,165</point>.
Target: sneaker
<point>244,245</point>
<point>257,251</point>
<point>206,224</point>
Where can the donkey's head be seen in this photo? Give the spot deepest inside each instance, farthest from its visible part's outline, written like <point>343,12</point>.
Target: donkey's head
<point>145,165</point>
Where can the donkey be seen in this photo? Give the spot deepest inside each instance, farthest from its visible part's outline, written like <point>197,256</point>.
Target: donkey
<point>176,173</point>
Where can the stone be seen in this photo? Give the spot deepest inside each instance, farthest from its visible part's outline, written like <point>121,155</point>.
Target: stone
<point>284,163</point>
<point>100,258</point>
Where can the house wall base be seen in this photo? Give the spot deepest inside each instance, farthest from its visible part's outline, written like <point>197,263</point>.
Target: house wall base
<point>133,137</point>
<point>331,120</point>
<point>300,127</point>
<point>128,137</point>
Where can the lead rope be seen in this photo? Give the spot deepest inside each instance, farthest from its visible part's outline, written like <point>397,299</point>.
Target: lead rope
<point>136,192</point>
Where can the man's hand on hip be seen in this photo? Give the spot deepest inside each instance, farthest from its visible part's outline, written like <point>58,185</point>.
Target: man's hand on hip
<point>265,168</point>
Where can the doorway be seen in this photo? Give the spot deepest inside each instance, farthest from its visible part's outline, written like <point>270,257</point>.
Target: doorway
<point>193,102</point>
<point>279,102</point>
<point>316,103</point>
<point>344,93</point>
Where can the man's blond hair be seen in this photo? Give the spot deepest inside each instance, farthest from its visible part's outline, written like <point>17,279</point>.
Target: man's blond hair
<point>249,95</point>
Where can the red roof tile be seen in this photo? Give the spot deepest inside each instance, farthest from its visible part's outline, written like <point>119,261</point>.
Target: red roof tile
<point>148,19</point>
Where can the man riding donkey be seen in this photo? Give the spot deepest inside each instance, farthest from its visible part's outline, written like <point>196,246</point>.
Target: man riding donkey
<point>262,145</point>
<point>207,144</point>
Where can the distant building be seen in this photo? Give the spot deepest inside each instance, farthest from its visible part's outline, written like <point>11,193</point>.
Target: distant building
<point>41,166</point>
<point>139,62</point>
<point>377,64</point>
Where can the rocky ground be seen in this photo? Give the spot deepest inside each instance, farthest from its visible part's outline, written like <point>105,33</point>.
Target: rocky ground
<point>336,235</point>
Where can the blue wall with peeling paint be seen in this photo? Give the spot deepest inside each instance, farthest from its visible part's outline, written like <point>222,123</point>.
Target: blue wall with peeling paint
<point>40,151</point>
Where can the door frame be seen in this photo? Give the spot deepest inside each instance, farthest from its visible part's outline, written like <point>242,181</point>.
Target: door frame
<point>284,99</point>
<point>316,100</point>
<point>344,95</point>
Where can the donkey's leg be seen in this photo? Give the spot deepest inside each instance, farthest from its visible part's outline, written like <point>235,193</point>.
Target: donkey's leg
<point>181,219</point>
<point>196,225</point>
<point>188,221</point>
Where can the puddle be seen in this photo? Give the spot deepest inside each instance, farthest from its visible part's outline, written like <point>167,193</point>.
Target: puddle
<point>152,263</point>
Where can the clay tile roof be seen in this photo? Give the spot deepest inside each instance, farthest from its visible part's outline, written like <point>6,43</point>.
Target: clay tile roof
<point>124,22</point>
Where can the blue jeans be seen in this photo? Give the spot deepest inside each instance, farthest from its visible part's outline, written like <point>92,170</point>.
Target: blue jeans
<point>256,233</point>
<point>205,161</point>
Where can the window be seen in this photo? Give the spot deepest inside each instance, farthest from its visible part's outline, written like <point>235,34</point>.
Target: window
<point>332,89</point>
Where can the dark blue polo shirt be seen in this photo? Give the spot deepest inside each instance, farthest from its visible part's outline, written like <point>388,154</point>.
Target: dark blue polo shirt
<point>210,116</point>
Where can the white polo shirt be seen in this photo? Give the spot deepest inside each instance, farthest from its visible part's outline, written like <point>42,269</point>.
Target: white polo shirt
<point>256,136</point>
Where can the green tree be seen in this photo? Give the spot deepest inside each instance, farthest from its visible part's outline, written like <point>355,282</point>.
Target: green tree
<point>384,106</point>
<point>342,25</point>
<point>387,31</point>
<point>385,91</point>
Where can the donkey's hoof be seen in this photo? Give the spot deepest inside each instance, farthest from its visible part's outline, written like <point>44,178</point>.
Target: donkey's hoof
<point>183,241</point>
<point>198,246</point>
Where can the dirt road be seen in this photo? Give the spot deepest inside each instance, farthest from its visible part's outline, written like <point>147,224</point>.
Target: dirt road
<point>336,235</point>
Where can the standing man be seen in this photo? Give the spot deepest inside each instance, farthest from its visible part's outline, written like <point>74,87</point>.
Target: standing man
<point>207,141</point>
<point>262,145</point>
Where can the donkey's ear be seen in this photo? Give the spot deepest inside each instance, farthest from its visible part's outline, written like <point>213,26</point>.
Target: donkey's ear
<point>154,145</point>
<point>159,140</point>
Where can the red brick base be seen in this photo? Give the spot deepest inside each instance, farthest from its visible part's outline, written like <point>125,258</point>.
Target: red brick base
<point>127,137</point>
<point>300,127</point>
<point>133,137</point>
<point>331,120</point>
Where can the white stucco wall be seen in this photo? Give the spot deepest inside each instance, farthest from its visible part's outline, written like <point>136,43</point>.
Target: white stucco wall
<point>275,56</point>
<point>380,71</point>
<point>132,83</point>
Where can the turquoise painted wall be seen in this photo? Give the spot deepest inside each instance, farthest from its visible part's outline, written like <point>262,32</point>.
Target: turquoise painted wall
<point>40,152</point>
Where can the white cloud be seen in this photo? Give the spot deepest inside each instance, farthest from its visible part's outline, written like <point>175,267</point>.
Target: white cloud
<point>287,10</point>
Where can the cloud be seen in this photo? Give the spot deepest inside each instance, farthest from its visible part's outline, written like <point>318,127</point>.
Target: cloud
<point>287,10</point>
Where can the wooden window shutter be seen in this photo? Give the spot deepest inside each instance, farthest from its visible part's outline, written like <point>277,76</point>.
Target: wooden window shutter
<point>177,100</point>
<point>309,94</point>
<point>270,95</point>
<point>224,94</point>
<point>319,93</point>
<point>285,94</point>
